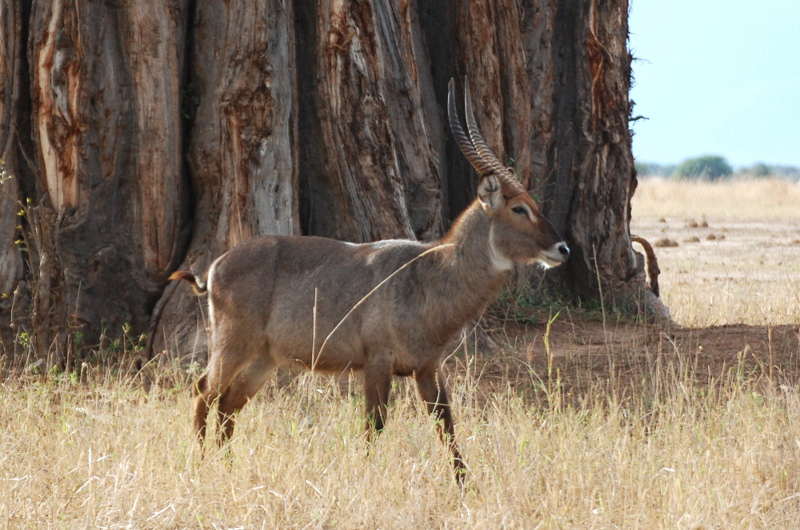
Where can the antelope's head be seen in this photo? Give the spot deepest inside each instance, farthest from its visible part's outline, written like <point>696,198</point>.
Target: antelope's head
<point>519,232</point>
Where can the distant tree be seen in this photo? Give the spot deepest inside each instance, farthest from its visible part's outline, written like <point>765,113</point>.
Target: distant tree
<point>710,167</point>
<point>760,169</point>
<point>651,169</point>
<point>775,171</point>
<point>787,172</point>
<point>644,169</point>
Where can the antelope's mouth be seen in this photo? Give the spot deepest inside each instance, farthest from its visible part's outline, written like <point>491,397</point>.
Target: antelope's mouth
<point>555,255</point>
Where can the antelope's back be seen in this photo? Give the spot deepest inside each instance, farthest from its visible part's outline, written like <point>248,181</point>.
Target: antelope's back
<point>287,290</point>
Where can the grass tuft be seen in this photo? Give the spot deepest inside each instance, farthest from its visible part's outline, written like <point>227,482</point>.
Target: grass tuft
<point>566,424</point>
<point>668,452</point>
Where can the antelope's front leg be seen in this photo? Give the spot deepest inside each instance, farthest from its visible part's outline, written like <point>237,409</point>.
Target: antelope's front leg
<point>377,384</point>
<point>431,388</point>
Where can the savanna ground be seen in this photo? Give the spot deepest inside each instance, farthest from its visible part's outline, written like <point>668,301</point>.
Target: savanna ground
<point>580,418</point>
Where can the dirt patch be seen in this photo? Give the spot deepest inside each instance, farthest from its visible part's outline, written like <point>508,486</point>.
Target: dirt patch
<point>580,355</point>
<point>736,261</point>
<point>731,283</point>
<point>719,271</point>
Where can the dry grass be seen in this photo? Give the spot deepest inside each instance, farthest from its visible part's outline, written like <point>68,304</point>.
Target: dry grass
<point>738,199</point>
<point>111,454</point>
<point>106,450</point>
<point>737,254</point>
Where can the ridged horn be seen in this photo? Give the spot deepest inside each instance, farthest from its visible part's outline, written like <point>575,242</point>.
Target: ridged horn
<point>476,137</point>
<point>463,141</point>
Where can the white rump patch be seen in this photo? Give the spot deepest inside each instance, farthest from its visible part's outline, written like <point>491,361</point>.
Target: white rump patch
<point>210,274</point>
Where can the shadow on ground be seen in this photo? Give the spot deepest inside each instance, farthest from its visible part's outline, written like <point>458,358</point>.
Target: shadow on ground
<point>624,357</point>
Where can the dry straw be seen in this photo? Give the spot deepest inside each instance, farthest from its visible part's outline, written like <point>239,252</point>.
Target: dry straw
<point>660,448</point>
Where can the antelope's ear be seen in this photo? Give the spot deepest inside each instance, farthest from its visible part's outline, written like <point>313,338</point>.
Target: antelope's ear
<point>490,194</point>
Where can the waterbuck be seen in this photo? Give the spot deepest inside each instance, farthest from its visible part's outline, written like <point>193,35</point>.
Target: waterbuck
<point>385,308</point>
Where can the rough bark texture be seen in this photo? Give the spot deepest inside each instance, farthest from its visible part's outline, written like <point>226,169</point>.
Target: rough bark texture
<point>154,136</point>
<point>590,149</point>
<point>110,196</point>
<point>12,56</point>
<point>242,150</point>
<point>370,164</point>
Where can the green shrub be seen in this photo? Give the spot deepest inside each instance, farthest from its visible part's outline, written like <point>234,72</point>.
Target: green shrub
<point>707,167</point>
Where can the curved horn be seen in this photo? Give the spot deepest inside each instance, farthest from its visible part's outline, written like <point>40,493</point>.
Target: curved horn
<point>477,138</point>
<point>463,141</point>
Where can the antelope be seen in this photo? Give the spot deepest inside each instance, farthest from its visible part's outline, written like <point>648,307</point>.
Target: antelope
<point>388,308</point>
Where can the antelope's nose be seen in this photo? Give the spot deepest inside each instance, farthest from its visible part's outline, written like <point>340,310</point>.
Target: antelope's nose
<point>563,249</point>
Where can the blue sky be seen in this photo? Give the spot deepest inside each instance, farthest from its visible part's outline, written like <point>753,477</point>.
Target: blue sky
<point>714,77</point>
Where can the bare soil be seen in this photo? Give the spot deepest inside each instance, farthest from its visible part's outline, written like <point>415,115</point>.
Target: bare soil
<point>586,353</point>
<point>733,289</point>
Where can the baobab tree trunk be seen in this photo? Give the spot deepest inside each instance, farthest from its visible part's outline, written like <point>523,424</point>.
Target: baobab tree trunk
<point>243,147</point>
<point>109,199</point>
<point>146,138</point>
<point>372,134</point>
<point>590,154</point>
<point>11,89</point>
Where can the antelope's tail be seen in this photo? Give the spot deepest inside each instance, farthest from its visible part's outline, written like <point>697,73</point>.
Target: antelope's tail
<point>198,286</point>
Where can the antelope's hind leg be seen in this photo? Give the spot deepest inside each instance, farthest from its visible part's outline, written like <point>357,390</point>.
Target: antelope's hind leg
<point>227,359</point>
<point>201,394</point>
<point>246,385</point>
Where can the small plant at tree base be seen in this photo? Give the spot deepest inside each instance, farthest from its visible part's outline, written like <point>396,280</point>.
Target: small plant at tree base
<point>4,176</point>
<point>24,340</point>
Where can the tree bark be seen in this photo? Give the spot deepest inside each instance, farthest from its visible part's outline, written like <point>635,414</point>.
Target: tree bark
<point>12,56</point>
<point>590,151</point>
<point>243,147</point>
<point>110,201</point>
<point>155,136</point>
<point>370,164</point>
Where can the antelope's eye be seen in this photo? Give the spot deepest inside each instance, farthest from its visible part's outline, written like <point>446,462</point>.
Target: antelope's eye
<point>519,210</point>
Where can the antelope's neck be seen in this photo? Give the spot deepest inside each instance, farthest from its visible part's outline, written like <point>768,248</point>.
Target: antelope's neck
<point>472,270</point>
<point>472,237</point>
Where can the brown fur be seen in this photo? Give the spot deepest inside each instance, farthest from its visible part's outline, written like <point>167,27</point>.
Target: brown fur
<point>386,308</point>
<point>261,304</point>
